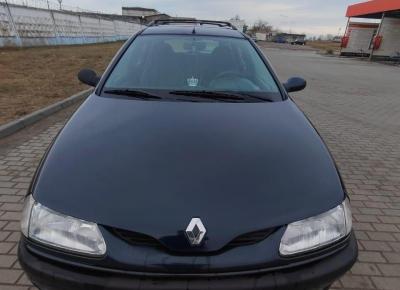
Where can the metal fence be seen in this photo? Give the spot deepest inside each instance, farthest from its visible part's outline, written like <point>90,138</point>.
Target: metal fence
<point>42,22</point>
<point>50,5</point>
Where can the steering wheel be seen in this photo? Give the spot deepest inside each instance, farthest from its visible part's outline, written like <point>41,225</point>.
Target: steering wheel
<point>227,78</point>
<point>229,74</point>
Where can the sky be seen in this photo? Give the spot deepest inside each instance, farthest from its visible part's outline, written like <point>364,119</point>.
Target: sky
<point>313,17</point>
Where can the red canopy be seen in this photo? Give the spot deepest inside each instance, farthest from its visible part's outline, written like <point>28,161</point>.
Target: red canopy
<point>372,7</point>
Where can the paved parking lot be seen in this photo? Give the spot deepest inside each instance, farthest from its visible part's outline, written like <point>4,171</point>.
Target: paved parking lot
<point>355,106</point>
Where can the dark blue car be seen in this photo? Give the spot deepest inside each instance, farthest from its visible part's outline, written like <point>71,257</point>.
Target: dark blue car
<point>189,167</point>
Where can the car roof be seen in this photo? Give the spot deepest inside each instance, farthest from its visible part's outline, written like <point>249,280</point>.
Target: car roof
<point>193,29</point>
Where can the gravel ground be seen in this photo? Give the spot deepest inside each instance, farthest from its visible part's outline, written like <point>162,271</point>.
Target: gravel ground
<point>32,78</point>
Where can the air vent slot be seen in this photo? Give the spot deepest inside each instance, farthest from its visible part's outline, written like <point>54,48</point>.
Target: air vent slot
<point>250,238</point>
<point>136,238</point>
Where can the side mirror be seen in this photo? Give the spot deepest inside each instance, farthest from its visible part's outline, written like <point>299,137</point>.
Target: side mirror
<point>89,77</point>
<point>295,85</point>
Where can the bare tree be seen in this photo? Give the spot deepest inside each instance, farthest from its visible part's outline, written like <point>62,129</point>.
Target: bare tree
<point>262,26</point>
<point>60,2</point>
<point>237,17</point>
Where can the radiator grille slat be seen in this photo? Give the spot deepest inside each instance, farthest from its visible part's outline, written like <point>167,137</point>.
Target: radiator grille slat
<point>139,239</point>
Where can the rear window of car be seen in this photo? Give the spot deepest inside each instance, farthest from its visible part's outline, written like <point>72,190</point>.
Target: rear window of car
<point>185,62</point>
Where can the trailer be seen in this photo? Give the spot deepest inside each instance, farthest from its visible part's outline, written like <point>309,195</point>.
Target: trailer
<point>292,38</point>
<point>261,36</point>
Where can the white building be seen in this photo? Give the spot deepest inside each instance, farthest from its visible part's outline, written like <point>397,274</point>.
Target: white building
<point>238,23</point>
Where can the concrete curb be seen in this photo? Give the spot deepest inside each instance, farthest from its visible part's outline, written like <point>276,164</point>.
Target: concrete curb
<point>14,126</point>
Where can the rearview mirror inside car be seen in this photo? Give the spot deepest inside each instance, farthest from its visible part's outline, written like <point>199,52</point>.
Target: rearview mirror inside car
<point>89,77</point>
<point>295,84</point>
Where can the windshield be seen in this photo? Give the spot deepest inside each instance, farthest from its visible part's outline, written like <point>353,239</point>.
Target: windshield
<point>192,63</point>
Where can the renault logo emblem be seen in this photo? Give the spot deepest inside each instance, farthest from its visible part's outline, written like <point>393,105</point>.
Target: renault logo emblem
<point>195,232</point>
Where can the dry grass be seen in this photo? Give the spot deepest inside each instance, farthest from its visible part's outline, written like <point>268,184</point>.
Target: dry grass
<point>325,46</point>
<point>32,78</point>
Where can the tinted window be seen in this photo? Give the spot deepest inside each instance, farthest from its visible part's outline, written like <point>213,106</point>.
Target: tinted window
<point>177,62</point>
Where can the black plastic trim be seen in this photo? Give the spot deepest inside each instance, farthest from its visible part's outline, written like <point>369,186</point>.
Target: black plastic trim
<point>49,275</point>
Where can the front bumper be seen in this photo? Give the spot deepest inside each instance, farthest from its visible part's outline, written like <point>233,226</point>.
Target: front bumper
<point>48,275</point>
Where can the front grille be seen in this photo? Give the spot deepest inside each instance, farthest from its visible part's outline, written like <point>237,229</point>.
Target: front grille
<point>139,239</point>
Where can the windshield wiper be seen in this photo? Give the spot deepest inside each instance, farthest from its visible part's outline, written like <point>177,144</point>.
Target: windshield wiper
<point>256,97</point>
<point>219,95</point>
<point>133,93</point>
<point>209,95</point>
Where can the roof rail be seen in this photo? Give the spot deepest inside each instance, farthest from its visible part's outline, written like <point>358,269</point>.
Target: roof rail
<point>192,21</point>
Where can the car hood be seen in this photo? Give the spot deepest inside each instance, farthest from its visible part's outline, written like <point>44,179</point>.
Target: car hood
<point>150,167</point>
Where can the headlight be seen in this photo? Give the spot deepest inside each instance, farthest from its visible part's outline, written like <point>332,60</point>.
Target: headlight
<point>49,227</point>
<point>318,231</point>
